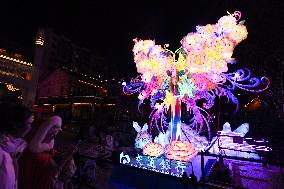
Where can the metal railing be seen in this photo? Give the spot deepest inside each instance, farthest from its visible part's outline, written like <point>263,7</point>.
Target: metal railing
<point>189,181</point>
<point>264,159</point>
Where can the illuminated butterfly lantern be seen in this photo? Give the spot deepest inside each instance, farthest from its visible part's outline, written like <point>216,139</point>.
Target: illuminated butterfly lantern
<point>197,71</point>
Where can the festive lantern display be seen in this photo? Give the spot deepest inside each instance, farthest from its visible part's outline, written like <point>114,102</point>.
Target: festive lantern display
<point>196,72</point>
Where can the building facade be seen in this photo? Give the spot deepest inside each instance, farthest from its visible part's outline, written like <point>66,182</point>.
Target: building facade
<point>59,51</point>
<point>16,76</point>
<point>70,78</point>
<point>73,95</point>
<point>14,65</point>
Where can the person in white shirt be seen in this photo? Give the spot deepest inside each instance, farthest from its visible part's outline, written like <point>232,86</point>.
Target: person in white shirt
<point>16,121</point>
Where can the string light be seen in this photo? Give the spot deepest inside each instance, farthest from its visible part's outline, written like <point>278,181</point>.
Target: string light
<point>16,60</point>
<point>87,83</point>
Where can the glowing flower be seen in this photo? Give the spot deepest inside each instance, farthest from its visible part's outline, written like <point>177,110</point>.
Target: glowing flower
<point>206,31</point>
<point>142,46</point>
<point>239,33</point>
<point>227,23</point>
<point>214,53</point>
<point>156,51</point>
<point>192,41</point>
<point>209,29</point>
<point>195,62</point>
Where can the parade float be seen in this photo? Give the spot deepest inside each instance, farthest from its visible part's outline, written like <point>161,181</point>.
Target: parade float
<point>188,79</point>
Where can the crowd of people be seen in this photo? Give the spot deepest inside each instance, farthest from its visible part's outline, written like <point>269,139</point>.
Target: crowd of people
<point>28,159</point>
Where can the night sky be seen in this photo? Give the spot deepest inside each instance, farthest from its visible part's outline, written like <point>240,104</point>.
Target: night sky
<point>108,28</point>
